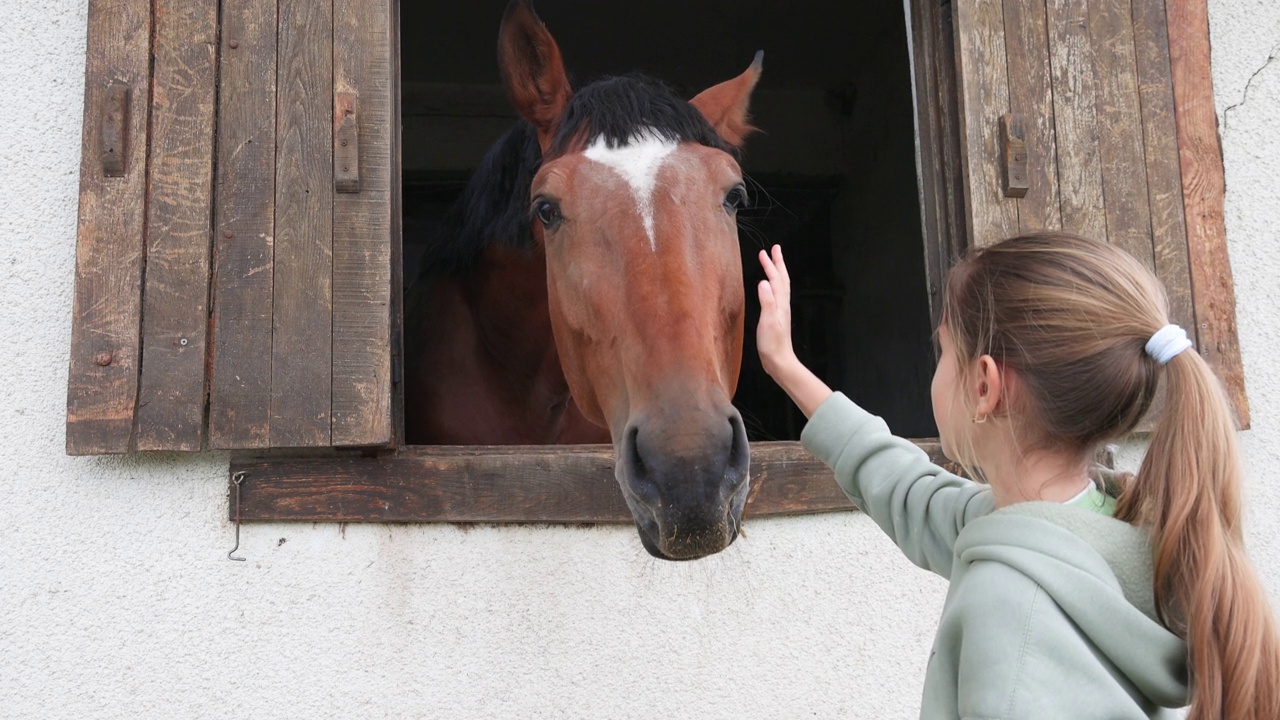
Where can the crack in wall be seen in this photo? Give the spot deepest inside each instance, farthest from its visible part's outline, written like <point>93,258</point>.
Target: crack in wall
<point>1244,97</point>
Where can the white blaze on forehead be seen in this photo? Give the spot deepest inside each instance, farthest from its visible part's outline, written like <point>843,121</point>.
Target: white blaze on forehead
<point>638,163</point>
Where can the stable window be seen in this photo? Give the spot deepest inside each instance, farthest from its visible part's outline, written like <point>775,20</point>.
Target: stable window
<point>241,257</point>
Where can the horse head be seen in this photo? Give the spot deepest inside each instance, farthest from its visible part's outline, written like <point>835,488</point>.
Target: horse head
<point>635,208</point>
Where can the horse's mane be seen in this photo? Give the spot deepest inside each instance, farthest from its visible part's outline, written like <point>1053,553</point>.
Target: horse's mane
<point>494,206</point>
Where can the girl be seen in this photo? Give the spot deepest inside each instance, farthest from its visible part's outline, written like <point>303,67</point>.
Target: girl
<point>1066,600</point>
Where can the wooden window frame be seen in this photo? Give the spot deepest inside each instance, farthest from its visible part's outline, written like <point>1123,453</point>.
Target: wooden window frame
<point>108,400</point>
<point>576,484</point>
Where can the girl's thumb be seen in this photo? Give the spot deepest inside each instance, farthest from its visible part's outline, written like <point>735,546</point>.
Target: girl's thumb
<point>766,295</point>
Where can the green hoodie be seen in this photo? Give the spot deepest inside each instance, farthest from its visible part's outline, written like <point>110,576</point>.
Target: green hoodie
<point>1050,612</point>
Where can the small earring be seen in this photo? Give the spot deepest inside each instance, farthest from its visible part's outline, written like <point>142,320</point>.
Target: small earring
<point>980,419</point>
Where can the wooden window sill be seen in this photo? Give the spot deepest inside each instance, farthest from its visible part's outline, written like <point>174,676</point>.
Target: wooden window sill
<point>503,484</point>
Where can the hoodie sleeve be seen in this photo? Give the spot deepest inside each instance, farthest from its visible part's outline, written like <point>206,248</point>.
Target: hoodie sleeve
<point>921,506</point>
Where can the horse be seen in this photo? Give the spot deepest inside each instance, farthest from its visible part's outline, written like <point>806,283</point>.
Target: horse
<point>589,289</point>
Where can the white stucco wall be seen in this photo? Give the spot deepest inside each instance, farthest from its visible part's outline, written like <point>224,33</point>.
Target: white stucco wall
<point>117,600</point>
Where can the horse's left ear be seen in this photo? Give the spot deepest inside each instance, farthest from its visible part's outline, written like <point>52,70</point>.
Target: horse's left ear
<point>725,105</point>
<point>532,70</point>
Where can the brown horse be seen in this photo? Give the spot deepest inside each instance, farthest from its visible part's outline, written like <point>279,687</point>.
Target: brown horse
<point>592,279</point>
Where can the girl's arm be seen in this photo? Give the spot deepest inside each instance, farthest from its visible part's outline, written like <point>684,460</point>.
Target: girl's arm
<point>918,504</point>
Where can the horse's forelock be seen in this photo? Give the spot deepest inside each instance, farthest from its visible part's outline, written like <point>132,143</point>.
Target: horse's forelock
<point>617,109</point>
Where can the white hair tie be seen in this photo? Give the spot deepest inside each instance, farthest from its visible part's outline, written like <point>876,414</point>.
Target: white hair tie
<point>1167,343</point>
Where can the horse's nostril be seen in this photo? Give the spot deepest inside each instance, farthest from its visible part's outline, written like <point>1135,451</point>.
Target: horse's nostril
<point>738,451</point>
<point>634,457</point>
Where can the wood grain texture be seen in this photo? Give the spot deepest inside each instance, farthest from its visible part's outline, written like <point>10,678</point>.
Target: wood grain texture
<point>540,484</point>
<point>171,400</point>
<point>1120,129</point>
<point>397,243</point>
<point>923,33</point>
<point>1031,99</point>
<point>102,386</point>
<point>1204,196</point>
<point>984,97</point>
<point>244,228</point>
<point>1075,124</point>
<point>302,296</point>
<point>956,237</point>
<point>362,237</point>
<point>938,151</point>
<point>1160,142</point>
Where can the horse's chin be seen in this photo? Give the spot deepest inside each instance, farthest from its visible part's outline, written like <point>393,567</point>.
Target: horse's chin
<point>684,551</point>
<point>688,543</point>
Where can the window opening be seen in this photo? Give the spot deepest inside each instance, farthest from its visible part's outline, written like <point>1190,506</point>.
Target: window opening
<point>833,170</point>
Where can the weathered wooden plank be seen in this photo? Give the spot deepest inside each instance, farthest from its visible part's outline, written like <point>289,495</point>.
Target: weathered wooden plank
<point>922,18</point>
<point>102,387</point>
<point>1075,121</point>
<point>1031,99</point>
<point>565,484</point>
<point>362,290</point>
<point>397,245</point>
<point>1204,197</point>
<point>1120,129</point>
<point>984,97</point>
<point>302,302</point>
<point>948,99</point>
<point>171,396</point>
<point>499,487</point>
<point>244,228</point>
<point>938,150</point>
<point>1160,145</point>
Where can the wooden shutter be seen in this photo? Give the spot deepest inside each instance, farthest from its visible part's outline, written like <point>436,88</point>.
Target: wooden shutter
<point>234,250</point>
<point>1096,117</point>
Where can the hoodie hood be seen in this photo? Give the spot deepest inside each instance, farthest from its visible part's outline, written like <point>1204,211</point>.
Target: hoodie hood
<point>1098,570</point>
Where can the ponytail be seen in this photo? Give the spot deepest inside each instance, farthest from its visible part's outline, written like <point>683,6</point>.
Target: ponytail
<point>1187,492</point>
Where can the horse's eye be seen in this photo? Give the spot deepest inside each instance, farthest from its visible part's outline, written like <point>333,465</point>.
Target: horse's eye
<point>736,199</point>
<point>547,212</point>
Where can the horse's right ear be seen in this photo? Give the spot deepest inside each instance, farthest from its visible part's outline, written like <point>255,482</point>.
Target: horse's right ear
<point>532,71</point>
<point>725,105</point>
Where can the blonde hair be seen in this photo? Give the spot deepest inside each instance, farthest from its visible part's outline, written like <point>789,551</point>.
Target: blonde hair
<point>1070,318</point>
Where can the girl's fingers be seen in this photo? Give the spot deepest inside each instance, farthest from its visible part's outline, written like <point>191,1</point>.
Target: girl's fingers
<point>766,296</point>
<point>776,269</point>
<point>770,271</point>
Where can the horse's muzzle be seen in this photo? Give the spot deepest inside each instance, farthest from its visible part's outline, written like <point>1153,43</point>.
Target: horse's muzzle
<point>685,478</point>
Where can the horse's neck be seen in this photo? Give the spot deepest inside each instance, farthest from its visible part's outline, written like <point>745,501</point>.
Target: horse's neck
<point>485,369</point>
<point>506,296</point>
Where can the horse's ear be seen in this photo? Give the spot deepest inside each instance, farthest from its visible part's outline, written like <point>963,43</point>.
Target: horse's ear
<point>725,105</point>
<point>532,71</point>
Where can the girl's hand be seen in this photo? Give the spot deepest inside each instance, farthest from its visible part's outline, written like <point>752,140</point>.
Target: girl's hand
<point>773,338</point>
<point>773,334</point>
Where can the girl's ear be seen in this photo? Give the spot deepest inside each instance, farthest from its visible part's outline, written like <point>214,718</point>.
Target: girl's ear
<point>725,105</point>
<point>532,70</point>
<point>989,387</point>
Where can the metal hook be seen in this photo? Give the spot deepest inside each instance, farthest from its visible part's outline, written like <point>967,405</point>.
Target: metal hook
<point>237,479</point>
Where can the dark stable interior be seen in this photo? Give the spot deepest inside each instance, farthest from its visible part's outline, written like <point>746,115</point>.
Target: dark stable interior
<point>832,174</point>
